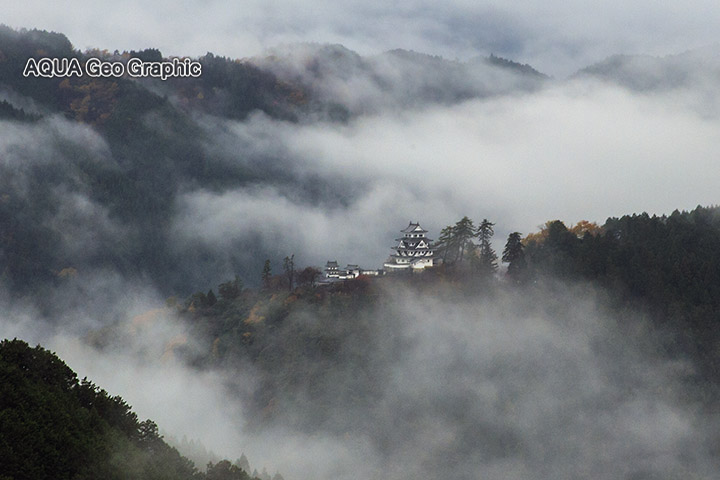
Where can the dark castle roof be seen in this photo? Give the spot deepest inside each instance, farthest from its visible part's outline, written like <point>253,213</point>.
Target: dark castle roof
<point>414,228</point>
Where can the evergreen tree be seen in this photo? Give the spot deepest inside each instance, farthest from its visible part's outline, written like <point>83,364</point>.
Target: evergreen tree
<point>446,244</point>
<point>266,273</point>
<point>243,462</point>
<point>289,267</point>
<point>486,258</point>
<point>463,233</point>
<point>224,470</point>
<point>514,256</point>
<point>210,298</point>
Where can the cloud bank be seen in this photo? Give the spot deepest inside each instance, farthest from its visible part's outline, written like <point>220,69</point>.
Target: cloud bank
<point>577,150</point>
<point>555,37</point>
<point>548,384</point>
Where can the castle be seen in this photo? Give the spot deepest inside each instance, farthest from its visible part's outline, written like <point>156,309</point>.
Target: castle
<point>414,252</point>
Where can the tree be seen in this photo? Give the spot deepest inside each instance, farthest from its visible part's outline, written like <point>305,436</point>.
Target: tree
<point>211,299</point>
<point>289,267</point>
<point>243,462</point>
<point>224,470</point>
<point>456,241</point>
<point>149,437</point>
<point>445,243</point>
<point>266,274</point>
<point>486,258</point>
<point>230,290</point>
<point>308,276</point>
<point>463,233</point>
<point>514,255</point>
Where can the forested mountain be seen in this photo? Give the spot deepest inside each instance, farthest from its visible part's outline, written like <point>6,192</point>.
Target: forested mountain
<point>115,156</point>
<point>668,265</point>
<point>400,79</point>
<point>645,73</point>
<point>368,355</point>
<point>594,355</point>
<point>327,361</point>
<point>54,426</point>
<point>666,268</point>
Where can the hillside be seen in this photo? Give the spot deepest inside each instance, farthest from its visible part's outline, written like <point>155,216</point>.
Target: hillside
<point>584,350</point>
<point>117,156</point>
<point>315,345</point>
<point>55,426</point>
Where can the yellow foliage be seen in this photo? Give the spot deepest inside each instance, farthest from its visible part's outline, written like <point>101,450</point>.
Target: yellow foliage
<point>90,100</point>
<point>255,317</point>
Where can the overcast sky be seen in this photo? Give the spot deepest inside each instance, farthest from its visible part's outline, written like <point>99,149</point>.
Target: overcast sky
<point>556,37</point>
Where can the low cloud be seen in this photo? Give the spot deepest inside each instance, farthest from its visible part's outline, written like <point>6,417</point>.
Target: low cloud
<point>548,384</point>
<point>577,150</point>
<point>555,37</point>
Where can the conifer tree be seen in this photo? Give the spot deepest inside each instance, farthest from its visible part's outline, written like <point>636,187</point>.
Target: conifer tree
<point>514,255</point>
<point>266,273</point>
<point>463,232</point>
<point>446,243</point>
<point>289,267</point>
<point>486,258</point>
<point>210,298</point>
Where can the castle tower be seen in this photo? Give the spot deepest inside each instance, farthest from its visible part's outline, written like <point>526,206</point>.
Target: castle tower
<point>413,251</point>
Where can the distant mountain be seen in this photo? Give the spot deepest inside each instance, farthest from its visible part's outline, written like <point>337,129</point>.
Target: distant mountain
<point>644,72</point>
<point>394,79</point>
<point>111,156</point>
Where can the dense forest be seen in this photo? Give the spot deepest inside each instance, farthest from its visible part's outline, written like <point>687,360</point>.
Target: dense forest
<point>55,426</point>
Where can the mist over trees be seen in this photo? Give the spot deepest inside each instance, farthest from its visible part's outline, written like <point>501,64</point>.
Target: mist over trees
<point>584,351</point>
<point>147,144</point>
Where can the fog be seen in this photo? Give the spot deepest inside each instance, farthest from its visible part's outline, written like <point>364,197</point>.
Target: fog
<point>556,37</point>
<point>588,148</point>
<point>548,385</point>
<point>572,151</point>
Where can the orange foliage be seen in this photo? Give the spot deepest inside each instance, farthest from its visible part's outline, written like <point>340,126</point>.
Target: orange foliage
<point>583,227</point>
<point>538,237</point>
<point>579,229</point>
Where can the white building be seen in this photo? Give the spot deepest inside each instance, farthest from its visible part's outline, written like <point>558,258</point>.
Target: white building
<point>413,251</point>
<point>333,273</point>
